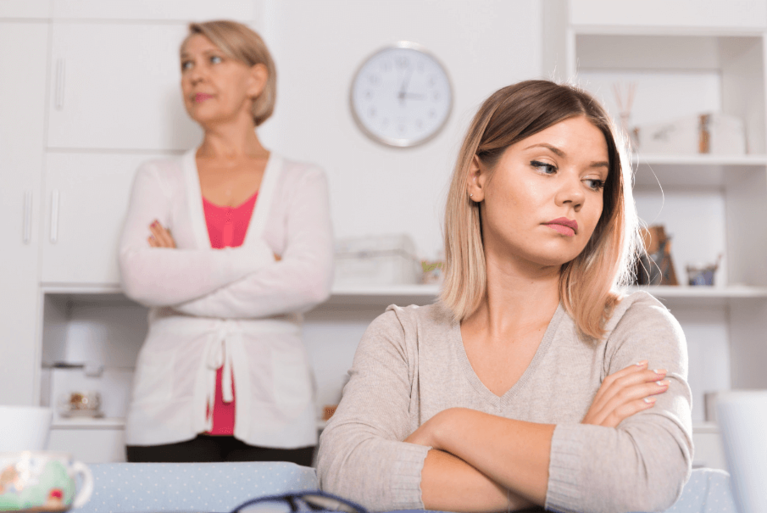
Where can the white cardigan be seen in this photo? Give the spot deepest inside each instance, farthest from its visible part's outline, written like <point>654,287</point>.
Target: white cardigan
<point>234,306</point>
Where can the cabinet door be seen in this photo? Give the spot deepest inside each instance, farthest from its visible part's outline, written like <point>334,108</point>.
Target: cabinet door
<point>86,199</point>
<point>117,86</point>
<point>239,10</point>
<point>95,445</point>
<point>23,53</point>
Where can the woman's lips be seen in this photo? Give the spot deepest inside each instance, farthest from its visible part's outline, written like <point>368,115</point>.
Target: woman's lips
<point>563,226</point>
<point>201,97</point>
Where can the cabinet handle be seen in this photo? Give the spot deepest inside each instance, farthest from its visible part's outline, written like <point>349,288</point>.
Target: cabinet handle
<point>27,216</point>
<point>55,216</point>
<point>60,82</point>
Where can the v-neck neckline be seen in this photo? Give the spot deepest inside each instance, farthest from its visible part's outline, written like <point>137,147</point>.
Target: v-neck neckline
<point>260,211</point>
<point>540,353</point>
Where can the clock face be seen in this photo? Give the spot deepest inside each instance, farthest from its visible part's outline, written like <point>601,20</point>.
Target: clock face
<point>401,96</point>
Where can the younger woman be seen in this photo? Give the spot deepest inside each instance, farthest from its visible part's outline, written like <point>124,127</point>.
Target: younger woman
<point>532,382</point>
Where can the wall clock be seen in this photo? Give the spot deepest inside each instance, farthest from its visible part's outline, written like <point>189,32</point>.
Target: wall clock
<point>401,96</point>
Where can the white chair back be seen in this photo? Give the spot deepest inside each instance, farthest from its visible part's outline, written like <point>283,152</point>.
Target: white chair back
<point>742,417</point>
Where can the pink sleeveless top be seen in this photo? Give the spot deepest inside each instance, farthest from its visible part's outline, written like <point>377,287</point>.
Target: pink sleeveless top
<point>227,227</point>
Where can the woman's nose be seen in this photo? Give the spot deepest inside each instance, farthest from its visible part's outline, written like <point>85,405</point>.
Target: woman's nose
<point>196,74</point>
<point>570,192</point>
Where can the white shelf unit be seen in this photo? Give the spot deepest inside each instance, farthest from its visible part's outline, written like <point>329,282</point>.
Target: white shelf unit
<point>709,204</point>
<point>331,332</point>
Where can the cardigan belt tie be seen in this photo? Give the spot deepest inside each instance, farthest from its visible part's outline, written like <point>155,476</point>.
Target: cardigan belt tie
<point>219,353</point>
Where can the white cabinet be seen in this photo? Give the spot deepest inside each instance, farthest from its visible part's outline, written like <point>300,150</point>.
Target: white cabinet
<point>680,14</point>
<point>687,58</point>
<point>86,197</point>
<point>152,10</point>
<point>90,442</point>
<point>23,52</point>
<point>116,86</point>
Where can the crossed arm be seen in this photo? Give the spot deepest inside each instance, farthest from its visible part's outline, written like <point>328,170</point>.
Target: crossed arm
<point>244,282</point>
<point>467,460</point>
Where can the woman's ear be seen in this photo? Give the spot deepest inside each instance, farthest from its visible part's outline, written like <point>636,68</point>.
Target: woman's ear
<point>477,179</point>
<point>257,80</point>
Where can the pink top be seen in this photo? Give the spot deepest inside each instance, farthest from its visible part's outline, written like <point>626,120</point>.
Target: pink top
<point>227,227</point>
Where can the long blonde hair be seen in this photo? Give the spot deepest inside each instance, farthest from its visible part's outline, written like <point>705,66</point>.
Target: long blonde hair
<point>587,283</point>
<point>240,43</point>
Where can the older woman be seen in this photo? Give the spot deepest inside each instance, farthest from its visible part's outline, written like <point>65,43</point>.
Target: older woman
<point>532,382</point>
<point>227,244</point>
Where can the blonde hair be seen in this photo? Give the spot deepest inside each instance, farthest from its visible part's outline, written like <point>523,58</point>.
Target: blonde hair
<point>240,43</point>
<point>587,283</point>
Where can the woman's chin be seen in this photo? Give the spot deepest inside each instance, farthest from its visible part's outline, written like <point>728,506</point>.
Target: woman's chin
<point>207,117</point>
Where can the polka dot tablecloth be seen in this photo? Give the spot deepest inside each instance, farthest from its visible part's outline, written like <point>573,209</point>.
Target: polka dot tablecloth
<point>707,491</point>
<point>220,487</point>
<point>209,487</point>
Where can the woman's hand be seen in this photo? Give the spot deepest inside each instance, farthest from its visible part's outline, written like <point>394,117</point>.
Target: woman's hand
<point>161,237</point>
<point>625,393</point>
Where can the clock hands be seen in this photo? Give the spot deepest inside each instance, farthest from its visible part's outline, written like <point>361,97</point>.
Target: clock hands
<point>404,95</point>
<point>403,89</point>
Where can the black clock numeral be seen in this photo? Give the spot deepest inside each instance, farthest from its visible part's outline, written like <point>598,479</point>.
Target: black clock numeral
<point>403,62</point>
<point>374,79</point>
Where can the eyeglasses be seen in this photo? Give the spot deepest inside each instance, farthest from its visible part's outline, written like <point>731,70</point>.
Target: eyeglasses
<point>299,502</point>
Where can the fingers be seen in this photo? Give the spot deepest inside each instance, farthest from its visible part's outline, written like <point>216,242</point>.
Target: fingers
<point>625,393</point>
<point>628,401</point>
<point>609,380</point>
<point>161,237</point>
<point>615,383</point>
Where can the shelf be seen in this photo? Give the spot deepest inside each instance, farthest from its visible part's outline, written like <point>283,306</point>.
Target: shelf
<point>87,423</point>
<point>687,292</point>
<point>690,171</point>
<point>686,296</point>
<point>702,160</point>
<point>383,295</point>
<point>358,296</point>
<point>115,423</point>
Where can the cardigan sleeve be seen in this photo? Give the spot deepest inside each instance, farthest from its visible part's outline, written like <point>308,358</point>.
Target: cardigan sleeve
<point>162,276</point>
<point>362,455</point>
<point>300,280</point>
<point>643,463</point>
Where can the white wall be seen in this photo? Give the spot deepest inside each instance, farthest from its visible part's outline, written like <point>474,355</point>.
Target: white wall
<point>318,46</point>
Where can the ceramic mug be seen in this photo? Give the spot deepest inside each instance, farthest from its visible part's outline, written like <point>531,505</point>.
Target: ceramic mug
<point>42,481</point>
<point>24,428</point>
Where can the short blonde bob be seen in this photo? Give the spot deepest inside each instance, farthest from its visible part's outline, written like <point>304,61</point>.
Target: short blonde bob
<point>240,43</point>
<point>587,285</point>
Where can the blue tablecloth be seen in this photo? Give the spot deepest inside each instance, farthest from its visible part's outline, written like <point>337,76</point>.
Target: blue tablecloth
<point>220,487</point>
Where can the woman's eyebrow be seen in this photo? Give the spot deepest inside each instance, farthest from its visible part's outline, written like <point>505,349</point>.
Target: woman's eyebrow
<point>560,153</point>
<point>554,149</point>
<point>204,52</point>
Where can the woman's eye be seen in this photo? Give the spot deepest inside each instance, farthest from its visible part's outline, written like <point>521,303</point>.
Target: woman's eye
<point>215,59</point>
<point>595,184</point>
<point>543,167</point>
<point>186,65</point>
